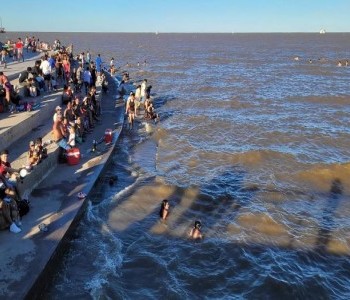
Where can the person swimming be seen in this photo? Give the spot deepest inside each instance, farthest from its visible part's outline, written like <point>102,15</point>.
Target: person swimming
<point>195,232</point>
<point>164,209</point>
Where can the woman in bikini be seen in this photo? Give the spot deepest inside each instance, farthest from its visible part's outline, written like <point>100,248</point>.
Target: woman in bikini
<point>131,110</point>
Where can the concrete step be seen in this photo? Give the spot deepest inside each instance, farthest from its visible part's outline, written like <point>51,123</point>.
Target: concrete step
<point>55,203</point>
<point>14,127</point>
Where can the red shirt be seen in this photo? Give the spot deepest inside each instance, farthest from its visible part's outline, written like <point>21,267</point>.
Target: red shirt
<point>3,167</point>
<point>19,45</point>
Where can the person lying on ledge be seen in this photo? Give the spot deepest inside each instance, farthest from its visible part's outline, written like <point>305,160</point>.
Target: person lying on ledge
<point>59,134</point>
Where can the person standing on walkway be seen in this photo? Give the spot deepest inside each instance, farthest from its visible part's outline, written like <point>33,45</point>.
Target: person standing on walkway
<point>66,68</point>
<point>98,63</point>
<point>46,69</point>
<point>87,79</point>
<point>3,54</point>
<point>19,49</point>
<point>88,58</point>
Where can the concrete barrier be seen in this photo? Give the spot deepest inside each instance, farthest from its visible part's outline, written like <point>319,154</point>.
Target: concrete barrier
<point>20,124</point>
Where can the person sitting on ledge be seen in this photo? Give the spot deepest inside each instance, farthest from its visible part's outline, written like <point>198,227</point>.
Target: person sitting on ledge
<point>33,157</point>
<point>41,148</point>
<point>58,111</point>
<point>9,215</point>
<point>67,95</point>
<point>32,89</point>
<point>24,76</point>
<point>6,170</point>
<point>59,134</point>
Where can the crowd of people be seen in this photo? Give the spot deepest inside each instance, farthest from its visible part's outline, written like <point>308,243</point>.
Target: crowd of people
<point>45,75</point>
<point>72,120</point>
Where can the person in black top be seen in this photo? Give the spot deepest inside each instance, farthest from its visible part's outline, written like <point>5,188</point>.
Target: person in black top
<point>24,76</point>
<point>131,109</point>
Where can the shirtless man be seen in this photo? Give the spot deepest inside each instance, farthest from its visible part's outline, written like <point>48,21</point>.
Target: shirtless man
<point>58,133</point>
<point>195,232</point>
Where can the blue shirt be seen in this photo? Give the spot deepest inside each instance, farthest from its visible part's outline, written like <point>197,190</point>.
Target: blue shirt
<point>98,61</point>
<point>52,62</point>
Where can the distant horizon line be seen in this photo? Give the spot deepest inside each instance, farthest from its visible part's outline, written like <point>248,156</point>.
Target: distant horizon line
<point>175,32</point>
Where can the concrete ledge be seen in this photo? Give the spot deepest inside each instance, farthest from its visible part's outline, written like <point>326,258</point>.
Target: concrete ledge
<point>29,258</point>
<point>16,126</point>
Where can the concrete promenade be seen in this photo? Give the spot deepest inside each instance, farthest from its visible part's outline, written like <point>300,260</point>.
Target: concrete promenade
<point>27,259</point>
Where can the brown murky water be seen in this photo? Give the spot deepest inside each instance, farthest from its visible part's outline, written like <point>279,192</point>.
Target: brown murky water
<point>251,142</point>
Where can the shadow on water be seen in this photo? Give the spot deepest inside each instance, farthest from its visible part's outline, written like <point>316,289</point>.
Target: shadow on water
<point>327,223</point>
<point>219,200</point>
<point>167,263</point>
<point>170,265</point>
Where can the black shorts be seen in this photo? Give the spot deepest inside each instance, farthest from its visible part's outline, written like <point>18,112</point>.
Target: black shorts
<point>47,77</point>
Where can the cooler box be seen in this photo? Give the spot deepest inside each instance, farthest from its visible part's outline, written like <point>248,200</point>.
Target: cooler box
<point>73,156</point>
<point>108,136</point>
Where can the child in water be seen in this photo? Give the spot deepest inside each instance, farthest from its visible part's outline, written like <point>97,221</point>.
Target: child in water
<point>195,232</point>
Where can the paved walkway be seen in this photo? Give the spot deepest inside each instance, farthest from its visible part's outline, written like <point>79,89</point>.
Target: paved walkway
<point>29,257</point>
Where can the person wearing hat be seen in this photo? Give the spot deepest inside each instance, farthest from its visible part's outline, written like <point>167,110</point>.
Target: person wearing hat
<point>58,111</point>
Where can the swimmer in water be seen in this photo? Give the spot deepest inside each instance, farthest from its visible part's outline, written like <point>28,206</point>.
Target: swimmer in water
<point>164,209</point>
<point>195,232</point>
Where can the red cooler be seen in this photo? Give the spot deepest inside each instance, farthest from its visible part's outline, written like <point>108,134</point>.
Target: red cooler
<point>108,136</point>
<point>73,156</point>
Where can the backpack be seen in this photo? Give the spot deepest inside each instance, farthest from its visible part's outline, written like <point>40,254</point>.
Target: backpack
<point>23,207</point>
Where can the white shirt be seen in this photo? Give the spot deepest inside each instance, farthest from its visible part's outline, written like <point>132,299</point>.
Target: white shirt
<point>45,67</point>
<point>143,88</point>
